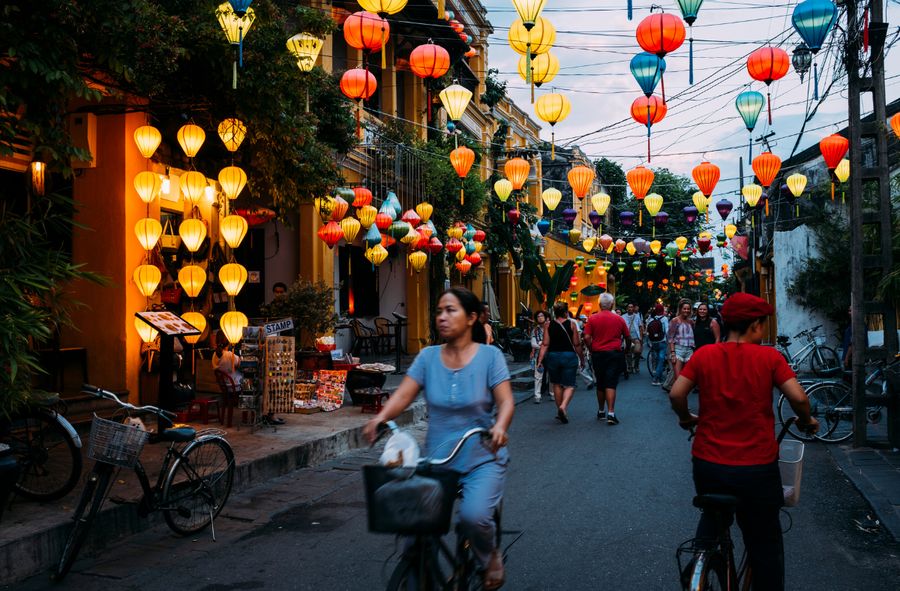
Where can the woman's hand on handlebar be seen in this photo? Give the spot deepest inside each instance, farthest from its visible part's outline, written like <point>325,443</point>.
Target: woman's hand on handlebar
<point>499,438</point>
<point>810,426</point>
<point>371,431</point>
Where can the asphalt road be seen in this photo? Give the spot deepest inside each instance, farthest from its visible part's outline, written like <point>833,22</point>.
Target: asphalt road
<point>601,508</point>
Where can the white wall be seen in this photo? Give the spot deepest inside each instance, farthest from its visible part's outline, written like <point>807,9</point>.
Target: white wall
<point>282,255</point>
<point>792,249</point>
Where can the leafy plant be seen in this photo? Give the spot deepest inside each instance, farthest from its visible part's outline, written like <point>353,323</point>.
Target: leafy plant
<point>546,287</point>
<point>823,282</point>
<point>613,177</point>
<point>494,89</point>
<point>310,305</point>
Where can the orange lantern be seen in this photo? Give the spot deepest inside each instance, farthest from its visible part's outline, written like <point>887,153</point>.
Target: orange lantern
<point>581,178</point>
<point>359,85</point>
<point>361,197</point>
<point>766,167</point>
<point>462,159</point>
<point>833,148</point>
<point>429,61</point>
<point>331,233</point>
<point>647,111</point>
<point>340,207</point>
<point>367,32</point>
<point>463,266</point>
<point>706,175</point>
<point>768,64</point>
<point>640,179</point>
<point>895,124</point>
<point>517,170</point>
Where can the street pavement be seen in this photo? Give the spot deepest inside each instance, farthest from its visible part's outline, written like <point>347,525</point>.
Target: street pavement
<point>601,507</point>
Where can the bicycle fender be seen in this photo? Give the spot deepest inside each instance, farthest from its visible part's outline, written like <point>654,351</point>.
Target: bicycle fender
<point>69,428</point>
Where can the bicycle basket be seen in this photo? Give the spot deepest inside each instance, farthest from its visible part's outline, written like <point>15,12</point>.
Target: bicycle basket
<point>115,443</point>
<point>790,464</point>
<point>820,341</point>
<point>408,501</point>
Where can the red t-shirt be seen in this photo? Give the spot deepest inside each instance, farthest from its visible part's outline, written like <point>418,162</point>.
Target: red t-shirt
<point>607,329</point>
<point>737,424</point>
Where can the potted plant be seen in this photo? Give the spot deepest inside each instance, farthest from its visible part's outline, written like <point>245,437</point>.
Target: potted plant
<point>310,305</point>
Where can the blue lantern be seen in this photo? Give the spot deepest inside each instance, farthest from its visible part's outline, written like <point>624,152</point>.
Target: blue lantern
<point>240,6</point>
<point>372,237</point>
<point>564,234</point>
<point>813,20</point>
<point>689,10</point>
<point>543,226</point>
<point>749,105</point>
<point>470,247</point>
<point>647,69</point>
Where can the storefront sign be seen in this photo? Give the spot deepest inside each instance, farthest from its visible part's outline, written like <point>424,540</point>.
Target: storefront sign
<point>279,326</point>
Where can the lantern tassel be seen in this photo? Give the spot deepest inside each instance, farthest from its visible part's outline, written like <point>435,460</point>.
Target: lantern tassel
<point>691,58</point>
<point>528,78</point>
<point>532,89</point>
<point>307,99</point>
<point>241,46</point>
<point>427,104</point>
<point>832,191</point>
<point>552,145</point>
<point>662,83</point>
<point>440,9</point>
<point>383,48</point>
<point>358,124</point>
<point>648,130</point>
<point>234,75</point>
<point>641,218</point>
<point>629,10</point>
<point>815,82</point>
<point>769,104</point>
<point>462,194</point>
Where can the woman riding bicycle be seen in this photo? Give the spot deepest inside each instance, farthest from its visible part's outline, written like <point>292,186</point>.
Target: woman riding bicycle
<point>735,452</point>
<point>464,382</point>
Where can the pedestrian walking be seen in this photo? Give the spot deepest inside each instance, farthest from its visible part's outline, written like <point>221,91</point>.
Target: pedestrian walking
<point>635,345</point>
<point>605,334</point>
<point>537,337</point>
<point>680,338</point>
<point>560,354</point>
<point>657,325</point>
<point>706,329</point>
<point>485,319</point>
<point>587,368</point>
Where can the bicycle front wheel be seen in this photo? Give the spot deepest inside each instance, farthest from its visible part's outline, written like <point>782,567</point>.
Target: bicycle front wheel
<point>824,362</point>
<point>198,485</point>
<point>49,460</point>
<point>92,496</point>
<point>832,404</point>
<point>785,412</point>
<point>709,574</point>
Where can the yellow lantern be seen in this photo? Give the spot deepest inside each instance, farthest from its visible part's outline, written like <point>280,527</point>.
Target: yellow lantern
<point>198,321</point>
<point>147,184</point>
<point>233,179</point>
<point>630,248</point>
<point>366,215</point>
<point>147,333</point>
<point>796,183</point>
<point>529,10</point>
<point>574,235</point>
<point>193,186</point>
<point>233,277</point>
<point>479,246</point>
<point>424,210</point>
<point>544,68</point>
<point>503,188</point>
<point>751,193</point>
<point>411,236</point>
<point>681,242</point>
<point>350,227</point>
<point>148,231</point>
<point>383,6</point>
<point>377,254</point>
<point>655,246</point>
<point>233,324</point>
<point>417,260</point>
<point>551,198</point>
<point>232,132</point>
<point>653,202</point>
<point>455,232</point>
<point>233,228</point>
<point>147,139</point>
<point>552,108</point>
<point>730,231</point>
<point>192,233</point>
<point>233,25</point>
<point>305,47</point>
<point>191,138</point>
<point>532,41</point>
<point>699,200</point>
<point>588,244</point>
<point>147,278</point>
<point>600,201</point>
<point>460,254</point>
<point>192,278</point>
<point>455,99</point>
<point>842,171</point>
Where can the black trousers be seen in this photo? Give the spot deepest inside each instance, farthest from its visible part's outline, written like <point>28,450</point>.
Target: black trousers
<point>761,497</point>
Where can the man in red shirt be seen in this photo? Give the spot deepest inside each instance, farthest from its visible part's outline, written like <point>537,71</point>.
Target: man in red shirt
<point>604,334</point>
<point>735,451</point>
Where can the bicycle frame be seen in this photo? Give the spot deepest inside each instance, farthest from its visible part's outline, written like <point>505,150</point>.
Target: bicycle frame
<point>150,500</point>
<point>795,361</point>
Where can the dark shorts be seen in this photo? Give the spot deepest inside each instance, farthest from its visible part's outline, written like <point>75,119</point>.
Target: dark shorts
<point>607,367</point>
<point>562,367</point>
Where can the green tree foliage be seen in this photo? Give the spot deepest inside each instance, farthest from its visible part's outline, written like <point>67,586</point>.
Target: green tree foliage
<point>823,282</point>
<point>546,286</point>
<point>310,305</point>
<point>494,89</point>
<point>613,179</point>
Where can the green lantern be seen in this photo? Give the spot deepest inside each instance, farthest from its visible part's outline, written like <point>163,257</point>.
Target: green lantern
<point>592,262</point>
<point>685,256</point>
<point>671,249</point>
<point>607,265</point>
<point>670,261</point>
<point>621,266</point>
<point>573,296</point>
<point>651,264</point>
<point>579,260</point>
<point>636,265</point>
<point>720,240</point>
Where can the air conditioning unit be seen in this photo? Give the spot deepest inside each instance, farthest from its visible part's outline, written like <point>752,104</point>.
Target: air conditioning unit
<point>83,129</point>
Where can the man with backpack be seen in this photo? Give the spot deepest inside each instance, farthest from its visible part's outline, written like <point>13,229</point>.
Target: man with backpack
<point>657,326</point>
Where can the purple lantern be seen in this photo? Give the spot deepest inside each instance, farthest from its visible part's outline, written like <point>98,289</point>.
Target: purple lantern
<point>690,214</point>
<point>661,219</point>
<point>641,245</point>
<point>626,218</point>
<point>569,215</point>
<point>724,207</point>
<point>595,218</point>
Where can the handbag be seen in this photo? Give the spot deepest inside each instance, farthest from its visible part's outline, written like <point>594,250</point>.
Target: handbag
<point>171,294</point>
<point>169,239</point>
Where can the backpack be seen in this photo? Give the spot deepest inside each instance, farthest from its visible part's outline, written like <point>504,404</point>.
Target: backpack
<point>655,330</point>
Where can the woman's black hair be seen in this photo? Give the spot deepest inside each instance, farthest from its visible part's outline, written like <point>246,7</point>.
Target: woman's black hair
<point>471,305</point>
<point>540,312</point>
<point>560,310</point>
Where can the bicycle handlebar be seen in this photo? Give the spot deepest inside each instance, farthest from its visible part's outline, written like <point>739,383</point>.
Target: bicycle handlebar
<point>383,428</point>
<point>107,395</point>
<point>807,331</point>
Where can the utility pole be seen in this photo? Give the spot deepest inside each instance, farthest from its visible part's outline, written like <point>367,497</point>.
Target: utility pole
<point>862,300</point>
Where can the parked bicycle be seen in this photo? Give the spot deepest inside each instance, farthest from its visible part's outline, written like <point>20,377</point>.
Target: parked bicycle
<point>823,360</point>
<point>710,563</point>
<point>831,402</point>
<point>428,563</point>
<point>194,480</point>
<point>47,449</point>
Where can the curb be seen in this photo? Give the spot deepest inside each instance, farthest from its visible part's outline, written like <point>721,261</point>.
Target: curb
<point>39,552</point>
<point>880,504</point>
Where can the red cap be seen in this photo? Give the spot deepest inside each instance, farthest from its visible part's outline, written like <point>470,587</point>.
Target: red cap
<point>658,309</point>
<point>743,306</point>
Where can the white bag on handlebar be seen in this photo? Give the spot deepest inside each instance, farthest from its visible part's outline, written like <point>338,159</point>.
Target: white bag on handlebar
<point>400,450</point>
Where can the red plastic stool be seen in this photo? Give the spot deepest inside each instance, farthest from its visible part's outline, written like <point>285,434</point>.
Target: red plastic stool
<point>200,407</point>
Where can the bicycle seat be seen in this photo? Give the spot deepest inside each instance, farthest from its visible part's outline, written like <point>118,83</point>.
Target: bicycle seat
<point>178,434</point>
<point>782,339</point>
<point>716,502</point>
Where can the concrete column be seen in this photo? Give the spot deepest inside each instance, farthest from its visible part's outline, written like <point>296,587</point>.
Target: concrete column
<point>418,310</point>
<point>316,259</point>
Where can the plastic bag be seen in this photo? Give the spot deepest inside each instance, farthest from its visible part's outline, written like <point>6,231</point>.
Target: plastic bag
<point>400,450</point>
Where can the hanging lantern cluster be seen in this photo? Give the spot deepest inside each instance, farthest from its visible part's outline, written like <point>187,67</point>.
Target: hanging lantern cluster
<point>531,38</point>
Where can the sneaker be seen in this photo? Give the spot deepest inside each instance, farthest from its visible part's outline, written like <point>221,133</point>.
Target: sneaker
<point>611,419</point>
<point>537,400</point>
<point>601,415</point>
<point>655,383</point>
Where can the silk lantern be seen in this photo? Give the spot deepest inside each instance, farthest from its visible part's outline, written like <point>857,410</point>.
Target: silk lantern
<point>689,10</point>
<point>660,33</point>
<point>350,228</point>
<point>366,215</point>
<point>647,70</point>
<point>749,104</point>
<point>842,172</point>
<point>233,277</point>
<point>148,231</point>
<point>551,198</point>
<point>361,197</point>
<point>462,159</point>
<point>653,202</point>
<point>148,185</point>
<point>417,260</point>
<point>706,175</point>
<point>580,179</point>
<point>235,22</point>
<point>833,149</point>
<point>376,255</point>
<point>813,20</point>
<point>552,108</point>
<point>232,132</point>
<point>193,186</point>
<point>146,332</point>
<point>192,233</point>
<point>147,278</point>
<point>147,138</point>
<point>198,321</point>
<point>455,99</point>
<point>191,138</point>
<point>517,170</point>
<point>768,64</point>
<point>639,179</point>
<point>730,231</point>
<point>766,167</point>
<point>724,207</point>
<point>690,214</point>
<point>233,180</point>
<point>424,209</point>
<point>647,111</point>
<point>233,229</point>
<point>531,41</point>
<point>358,84</point>
<point>367,32</point>
<point>796,183</point>
<point>503,188</point>
<point>233,324</point>
<point>544,68</point>
<point>192,279</point>
<point>331,233</point>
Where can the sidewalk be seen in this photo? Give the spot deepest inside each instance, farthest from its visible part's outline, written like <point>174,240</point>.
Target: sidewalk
<point>32,535</point>
<point>876,474</point>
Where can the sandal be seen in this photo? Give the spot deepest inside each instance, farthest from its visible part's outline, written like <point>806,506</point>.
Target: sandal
<point>494,574</point>
<point>562,417</point>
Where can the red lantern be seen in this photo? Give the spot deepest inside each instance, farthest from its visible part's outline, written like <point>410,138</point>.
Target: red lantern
<point>462,159</point>
<point>388,241</point>
<point>383,221</point>
<point>766,167</point>
<point>659,34</point>
<point>479,236</point>
<point>620,245</point>
<point>768,64</point>
<point>514,216</point>
<point>435,246</point>
<point>706,175</point>
<point>358,84</point>
<point>472,52</point>
<point>640,179</point>
<point>362,197</point>
<point>457,26</point>
<point>429,61</point>
<point>366,31</point>
<point>453,246</point>
<point>411,218</point>
<point>648,111</point>
<point>340,207</point>
<point>331,233</point>
<point>833,149</point>
<point>474,258</point>
<point>581,178</point>
<point>464,266</point>
<point>516,170</point>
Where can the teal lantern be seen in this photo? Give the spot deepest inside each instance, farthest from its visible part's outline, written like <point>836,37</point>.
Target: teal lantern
<point>392,201</point>
<point>372,237</point>
<point>636,265</point>
<point>689,10</point>
<point>671,249</point>
<point>813,20</point>
<point>749,105</point>
<point>647,70</point>
<point>651,264</point>
<point>621,266</point>
<point>398,229</point>
<point>470,247</point>
<point>469,234</point>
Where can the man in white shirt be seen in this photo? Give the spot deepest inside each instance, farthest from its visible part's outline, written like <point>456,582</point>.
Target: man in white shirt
<point>632,318</point>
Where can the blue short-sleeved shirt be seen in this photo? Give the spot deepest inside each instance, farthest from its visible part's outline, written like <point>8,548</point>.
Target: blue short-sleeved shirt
<point>459,400</point>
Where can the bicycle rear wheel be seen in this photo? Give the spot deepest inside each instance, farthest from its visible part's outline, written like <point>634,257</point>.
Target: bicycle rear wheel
<point>832,404</point>
<point>824,362</point>
<point>785,412</point>
<point>198,485</point>
<point>50,461</point>
<point>710,573</point>
<point>93,495</point>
